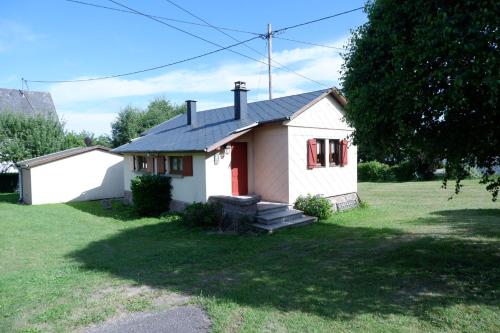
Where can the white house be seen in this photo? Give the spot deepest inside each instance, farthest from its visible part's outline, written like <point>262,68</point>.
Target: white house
<point>277,149</point>
<point>77,174</point>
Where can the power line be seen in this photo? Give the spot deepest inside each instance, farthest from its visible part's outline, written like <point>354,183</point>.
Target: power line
<point>143,70</point>
<point>309,43</point>
<point>158,17</point>
<point>282,67</point>
<point>317,20</point>
<point>205,40</point>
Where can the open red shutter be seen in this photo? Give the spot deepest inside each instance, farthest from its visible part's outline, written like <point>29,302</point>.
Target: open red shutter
<point>343,157</point>
<point>187,164</point>
<point>160,164</point>
<point>311,153</point>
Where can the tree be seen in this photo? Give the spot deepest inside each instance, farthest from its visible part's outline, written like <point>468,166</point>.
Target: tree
<point>85,138</point>
<point>132,121</point>
<point>23,137</point>
<point>422,80</point>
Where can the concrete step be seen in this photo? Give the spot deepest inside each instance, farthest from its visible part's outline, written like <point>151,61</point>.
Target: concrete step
<point>270,228</point>
<point>279,216</point>
<point>264,208</point>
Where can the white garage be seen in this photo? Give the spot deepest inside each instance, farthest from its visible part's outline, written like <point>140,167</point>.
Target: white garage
<point>77,174</point>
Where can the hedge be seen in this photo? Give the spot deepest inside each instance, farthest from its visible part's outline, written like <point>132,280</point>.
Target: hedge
<point>8,182</point>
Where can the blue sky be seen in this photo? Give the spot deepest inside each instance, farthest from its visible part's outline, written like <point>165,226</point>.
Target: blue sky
<point>59,40</point>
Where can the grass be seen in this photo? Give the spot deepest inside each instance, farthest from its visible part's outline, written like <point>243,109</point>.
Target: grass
<point>412,261</point>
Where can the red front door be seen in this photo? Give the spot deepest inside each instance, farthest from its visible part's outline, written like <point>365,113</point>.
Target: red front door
<point>239,168</point>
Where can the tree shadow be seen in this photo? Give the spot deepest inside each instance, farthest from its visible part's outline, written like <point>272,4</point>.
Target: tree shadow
<point>327,269</point>
<point>467,222</point>
<point>111,208</point>
<point>9,197</point>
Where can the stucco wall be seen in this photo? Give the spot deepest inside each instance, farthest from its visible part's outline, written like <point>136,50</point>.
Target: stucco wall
<point>89,176</point>
<point>271,162</point>
<point>186,189</point>
<point>321,121</point>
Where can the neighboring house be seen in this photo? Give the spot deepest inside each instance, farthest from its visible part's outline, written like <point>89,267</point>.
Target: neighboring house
<point>29,103</point>
<point>77,174</point>
<point>277,149</point>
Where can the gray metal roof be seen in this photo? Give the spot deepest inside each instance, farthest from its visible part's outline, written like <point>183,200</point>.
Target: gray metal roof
<point>29,103</point>
<point>41,160</point>
<point>215,125</point>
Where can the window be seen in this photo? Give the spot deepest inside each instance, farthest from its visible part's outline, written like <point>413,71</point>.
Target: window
<point>334,152</point>
<point>320,152</point>
<point>140,163</point>
<point>176,165</point>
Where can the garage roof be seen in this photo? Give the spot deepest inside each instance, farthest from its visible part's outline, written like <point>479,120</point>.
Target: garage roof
<point>33,162</point>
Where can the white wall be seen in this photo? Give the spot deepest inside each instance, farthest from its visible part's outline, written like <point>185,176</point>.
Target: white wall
<point>271,162</point>
<point>89,176</point>
<point>321,121</point>
<point>219,180</point>
<point>186,189</point>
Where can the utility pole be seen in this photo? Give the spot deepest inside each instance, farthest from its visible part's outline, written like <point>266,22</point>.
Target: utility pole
<point>269,55</point>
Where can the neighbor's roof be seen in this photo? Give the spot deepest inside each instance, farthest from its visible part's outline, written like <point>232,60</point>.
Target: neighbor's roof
<point>217,126</point>
<point>45,159</point>
<point>29,103</point>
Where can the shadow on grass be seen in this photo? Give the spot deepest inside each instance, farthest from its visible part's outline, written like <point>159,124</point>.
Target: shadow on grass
<point>328,270</point>
<point>9,197</point>
<point>467,222</point>
<point>106,208</point>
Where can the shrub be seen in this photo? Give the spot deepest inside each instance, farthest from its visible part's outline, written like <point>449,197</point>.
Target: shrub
<point>403,171</point>
<point>152,194</point>
<point>8,182</point>
<point>373,171</point>
<point>314,206</point>
<point>202,214</point>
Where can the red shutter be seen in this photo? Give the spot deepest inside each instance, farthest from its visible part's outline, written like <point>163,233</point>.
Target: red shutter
<point>149,164</point>
<point>312,156</point>
<point>343,156</point>
<point>187,165</point>
<point>160,164</point>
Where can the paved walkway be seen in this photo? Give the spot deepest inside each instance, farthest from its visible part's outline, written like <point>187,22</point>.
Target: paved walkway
<point>183,319</point>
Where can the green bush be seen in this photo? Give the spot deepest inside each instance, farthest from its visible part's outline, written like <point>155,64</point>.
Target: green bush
<point>314,206</point>
<point>374,171</point>
<point>152,194</point>
<point>403,171</point>
<point>8,182</point>
<point>201,214</point>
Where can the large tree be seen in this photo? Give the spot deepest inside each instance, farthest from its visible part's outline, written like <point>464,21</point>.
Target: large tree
<point>132,121</point>
<point>423,79</point>
<point>23,137</point>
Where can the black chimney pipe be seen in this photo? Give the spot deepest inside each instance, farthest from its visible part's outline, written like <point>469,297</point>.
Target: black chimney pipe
<point>191,113</point>
<point>240,100</point>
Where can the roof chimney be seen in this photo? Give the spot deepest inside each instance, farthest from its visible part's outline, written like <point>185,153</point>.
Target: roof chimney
<point>191,113</point>
<point>240,100</point>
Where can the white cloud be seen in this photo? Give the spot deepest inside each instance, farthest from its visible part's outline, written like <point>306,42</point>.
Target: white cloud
<point>206,84</point>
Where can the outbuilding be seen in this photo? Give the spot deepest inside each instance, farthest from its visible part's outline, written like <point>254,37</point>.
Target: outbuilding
<point>77,174</point>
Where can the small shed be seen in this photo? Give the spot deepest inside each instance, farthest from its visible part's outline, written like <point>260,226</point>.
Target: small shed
<point>77,174</point>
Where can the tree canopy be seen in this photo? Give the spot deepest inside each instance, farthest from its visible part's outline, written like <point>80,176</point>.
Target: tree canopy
<point>423,80</point>
<point>132,121</point>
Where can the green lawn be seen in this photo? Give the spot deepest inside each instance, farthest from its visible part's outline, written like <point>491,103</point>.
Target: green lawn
<point>412,261</point>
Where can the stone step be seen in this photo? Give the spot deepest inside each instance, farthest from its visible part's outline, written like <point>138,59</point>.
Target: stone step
<point>270,228</point>
<point>279,216</point>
